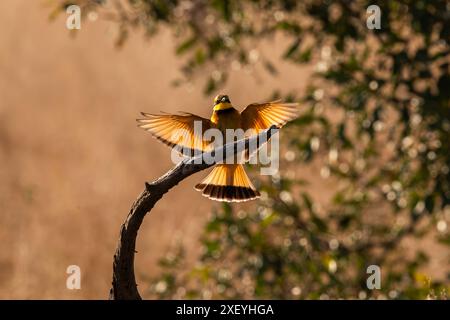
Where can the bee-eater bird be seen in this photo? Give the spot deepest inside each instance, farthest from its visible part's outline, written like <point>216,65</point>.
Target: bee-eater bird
<point>226,182</point>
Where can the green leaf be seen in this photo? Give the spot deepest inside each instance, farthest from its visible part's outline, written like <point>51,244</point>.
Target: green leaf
<point>292,49</point>
<point>186,45</point>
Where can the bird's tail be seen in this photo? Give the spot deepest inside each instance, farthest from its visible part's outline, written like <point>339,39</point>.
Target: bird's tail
<point>229,183</point>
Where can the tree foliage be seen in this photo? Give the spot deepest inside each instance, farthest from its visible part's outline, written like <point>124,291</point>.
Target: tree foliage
<point>376,119</point>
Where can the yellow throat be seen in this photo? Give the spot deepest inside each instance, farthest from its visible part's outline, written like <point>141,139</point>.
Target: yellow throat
<point>222,106</point>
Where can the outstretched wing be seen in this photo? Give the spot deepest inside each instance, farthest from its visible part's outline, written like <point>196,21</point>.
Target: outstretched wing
<point>185,131</point>
<point>261,116</point>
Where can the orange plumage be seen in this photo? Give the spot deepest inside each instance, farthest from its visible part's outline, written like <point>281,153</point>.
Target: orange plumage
<point>226,182</point>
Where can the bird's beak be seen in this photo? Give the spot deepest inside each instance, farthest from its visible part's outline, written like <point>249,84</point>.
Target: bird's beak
<point>222,106</point>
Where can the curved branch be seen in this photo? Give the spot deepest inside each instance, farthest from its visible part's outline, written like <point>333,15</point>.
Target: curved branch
<point>124,285</point>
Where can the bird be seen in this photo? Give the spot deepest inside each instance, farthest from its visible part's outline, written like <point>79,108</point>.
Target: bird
<point>226,182</point>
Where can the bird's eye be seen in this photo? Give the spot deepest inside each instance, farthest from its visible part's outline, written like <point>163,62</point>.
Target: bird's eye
<point>224,99</point>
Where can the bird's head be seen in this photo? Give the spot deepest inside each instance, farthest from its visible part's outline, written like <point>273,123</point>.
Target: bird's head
<point>222,102</point>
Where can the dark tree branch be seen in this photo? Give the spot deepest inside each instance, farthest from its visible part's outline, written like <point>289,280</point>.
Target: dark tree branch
<point>124,285</point>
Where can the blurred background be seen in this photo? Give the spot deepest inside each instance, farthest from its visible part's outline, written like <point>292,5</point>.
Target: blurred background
<point>364,176</point>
